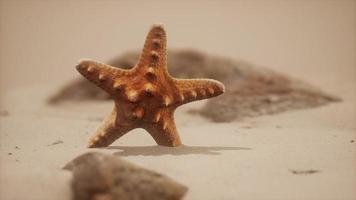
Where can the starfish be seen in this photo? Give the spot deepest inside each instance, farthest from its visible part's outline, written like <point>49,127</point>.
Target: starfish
<point>145,96</point>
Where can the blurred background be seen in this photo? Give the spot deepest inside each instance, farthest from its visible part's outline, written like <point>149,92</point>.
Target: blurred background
<point>313,40</point>
<point>41,41</point>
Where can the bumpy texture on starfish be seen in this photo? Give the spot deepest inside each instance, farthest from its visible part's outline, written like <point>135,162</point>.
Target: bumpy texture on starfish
<point>145,96</point>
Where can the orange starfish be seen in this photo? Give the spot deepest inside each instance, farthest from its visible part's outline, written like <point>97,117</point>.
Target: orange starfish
<point>145,96</point>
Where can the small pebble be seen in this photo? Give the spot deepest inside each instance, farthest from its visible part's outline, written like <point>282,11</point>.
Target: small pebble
<point>304,172</point>
<point>247,127</point>
<point>4,113</point>
<point>56,142</point>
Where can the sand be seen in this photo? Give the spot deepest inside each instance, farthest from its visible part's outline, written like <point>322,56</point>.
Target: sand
<point>302,154</point>
<point>253,159</point>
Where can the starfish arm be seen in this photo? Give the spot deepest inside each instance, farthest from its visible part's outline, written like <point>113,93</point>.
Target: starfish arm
<point>154,51</point>
<point>100,74</point>
<point>198,89</point>
<point>145,96</point>
<point>108,132</point>
<point>163,130</point>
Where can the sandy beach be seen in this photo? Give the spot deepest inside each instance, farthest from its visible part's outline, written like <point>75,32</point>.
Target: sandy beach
<point>303,154</point>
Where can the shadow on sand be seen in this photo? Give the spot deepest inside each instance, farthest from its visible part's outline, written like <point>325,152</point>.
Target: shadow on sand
<point>181,150</point>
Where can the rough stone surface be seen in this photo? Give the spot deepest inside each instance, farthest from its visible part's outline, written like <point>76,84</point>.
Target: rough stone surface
<point>98,176</point>
<point>250,90</point>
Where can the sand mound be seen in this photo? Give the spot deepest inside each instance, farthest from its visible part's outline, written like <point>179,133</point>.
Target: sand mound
<point>250,90</point>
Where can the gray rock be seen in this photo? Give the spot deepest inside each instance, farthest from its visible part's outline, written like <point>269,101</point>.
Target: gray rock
<point>98,176</point>
<point>251,90</point>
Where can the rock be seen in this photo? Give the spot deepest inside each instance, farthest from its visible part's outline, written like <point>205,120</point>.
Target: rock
<point>251,90</point>
<point>98,176</point>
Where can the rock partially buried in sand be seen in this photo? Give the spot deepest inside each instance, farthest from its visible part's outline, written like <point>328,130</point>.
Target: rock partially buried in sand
<point>251,90</point>
<point>98,176</point>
